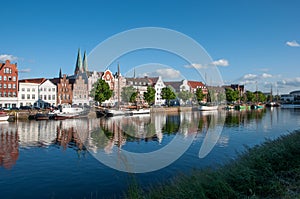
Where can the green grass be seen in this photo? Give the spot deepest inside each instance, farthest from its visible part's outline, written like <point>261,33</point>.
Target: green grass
<point>270,170</point>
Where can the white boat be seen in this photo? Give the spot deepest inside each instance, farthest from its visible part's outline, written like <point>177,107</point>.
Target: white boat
<point>208,107</point>
<point>115,112</point>
<point>140,111</point>
<point>66,111</point>
<point>3,116</point>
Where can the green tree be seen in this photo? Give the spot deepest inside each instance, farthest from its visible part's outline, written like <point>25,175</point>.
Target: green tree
<point>185,95</point>
<point>167,94</point>
<point>199,95</point>
<point>133,97</point>
<point>259,96</point>
<point>127,93</point>
<point>101,91</point>
<point>149,96</point>
<point>250,96</point>
<point>231,95</point>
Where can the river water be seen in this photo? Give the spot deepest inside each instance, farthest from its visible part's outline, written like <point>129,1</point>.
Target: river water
<point>100,158</point>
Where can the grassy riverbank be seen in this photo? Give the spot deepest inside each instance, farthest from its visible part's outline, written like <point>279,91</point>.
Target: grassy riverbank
<point>271,170</point>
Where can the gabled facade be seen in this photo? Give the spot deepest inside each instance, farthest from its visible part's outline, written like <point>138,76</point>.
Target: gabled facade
<point>80,90</point>
<point>64,89</point>
<point>47,94</point>
<point>8,84</point>
<point>158,85</point>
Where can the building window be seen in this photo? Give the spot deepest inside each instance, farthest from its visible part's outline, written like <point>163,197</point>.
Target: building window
<point>4,78</point>
<point>14,94</point>
<point>0,85</point>
<point>14,78</point>
<point>14,85</point>
<point>8,85</point>
<point>49,89</point>
<point>9,94</point>
<point>45,89</point>
<point>33,89</point>
<point>4,94</point>
<point>0,77</point>
<point>45,97</point>
<point>41,96</point>
<point>41,89</point>
<point>23,96</point>
<point>53,89</point>
<point>33,96</point>
<point>53,97</point>
<point>23,89</point>
<point>4,85</point>
<point>28,89</point>
<point>28,96</point>
<point>49,97</point>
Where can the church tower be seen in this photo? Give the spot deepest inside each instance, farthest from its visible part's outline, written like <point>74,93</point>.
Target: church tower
<point>85,63</point>
<point>78,67</point>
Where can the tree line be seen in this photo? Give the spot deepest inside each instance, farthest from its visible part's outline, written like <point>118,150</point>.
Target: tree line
<point>101,92</point>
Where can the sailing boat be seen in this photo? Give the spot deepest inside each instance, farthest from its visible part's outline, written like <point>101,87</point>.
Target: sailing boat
<point>208,106</point>
<point>271,103</point>
<point>118,111</point>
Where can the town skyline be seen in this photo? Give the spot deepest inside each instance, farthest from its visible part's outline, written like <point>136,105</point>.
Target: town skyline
<point>252,43</point>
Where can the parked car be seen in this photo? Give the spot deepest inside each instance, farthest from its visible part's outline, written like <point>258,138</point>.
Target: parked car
<point>14,108</point>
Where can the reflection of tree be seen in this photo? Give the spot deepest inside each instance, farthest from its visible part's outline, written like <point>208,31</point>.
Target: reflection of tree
<point>239,117</point>
<point>9,148</point>
<point>172,124</point>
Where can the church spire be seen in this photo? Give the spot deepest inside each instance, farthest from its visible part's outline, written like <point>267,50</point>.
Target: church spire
<point>85,63</point>
<point>78,67</point>
<point>60,73</point>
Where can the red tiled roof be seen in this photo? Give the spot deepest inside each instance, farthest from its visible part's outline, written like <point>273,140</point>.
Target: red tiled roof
<point>35,81</point>
<point>195,84</point>
<point>153,80</point>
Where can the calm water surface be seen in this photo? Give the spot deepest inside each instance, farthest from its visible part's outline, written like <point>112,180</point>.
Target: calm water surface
<point>49,159</point>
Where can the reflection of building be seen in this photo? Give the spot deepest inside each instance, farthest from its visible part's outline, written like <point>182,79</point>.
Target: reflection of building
<point>8,84</point>
<point>9,146</point>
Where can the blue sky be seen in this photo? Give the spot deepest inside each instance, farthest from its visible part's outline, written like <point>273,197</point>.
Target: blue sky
<point>255,42</point>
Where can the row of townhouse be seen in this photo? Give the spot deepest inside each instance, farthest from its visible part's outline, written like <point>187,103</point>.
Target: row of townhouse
<point>76,88</point>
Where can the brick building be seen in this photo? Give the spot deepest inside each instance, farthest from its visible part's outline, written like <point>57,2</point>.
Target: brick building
<point>64,89</point>
<point>8,84</point>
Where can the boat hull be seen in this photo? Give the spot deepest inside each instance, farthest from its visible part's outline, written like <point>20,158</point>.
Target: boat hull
<point>207,108</point>
<point>4,118</point>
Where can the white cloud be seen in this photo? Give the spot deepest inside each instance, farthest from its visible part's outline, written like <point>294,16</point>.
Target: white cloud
<point>293,82</point>
<point>25,70</point>
<point>249,76</point>
<point>292,43</point>
<point>5,57</point>
<point>197,66</point>
<point>266,75</point>
<point>221,62</point>
<point>165,73</point>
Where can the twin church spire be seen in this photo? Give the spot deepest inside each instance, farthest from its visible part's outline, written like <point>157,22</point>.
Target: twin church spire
<point>81,66</point>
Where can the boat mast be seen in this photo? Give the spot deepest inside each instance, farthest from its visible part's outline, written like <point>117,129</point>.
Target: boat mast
<point>118,86</point>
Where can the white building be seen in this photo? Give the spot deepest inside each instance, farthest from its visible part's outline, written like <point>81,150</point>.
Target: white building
<point>38,92</point>
<point>47,94</point>
<point>158,85</point>
<point>28,92</point>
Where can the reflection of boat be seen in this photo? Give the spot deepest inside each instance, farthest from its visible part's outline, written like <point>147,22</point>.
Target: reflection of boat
<point>42,116</point>
<point>3,116</point>
<point>208,107</point>
<point>114,112</point>
<point>66,112</point>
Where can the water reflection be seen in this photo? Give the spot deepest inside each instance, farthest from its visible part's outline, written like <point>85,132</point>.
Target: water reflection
<point>116,133</point>
<point>9,146</point>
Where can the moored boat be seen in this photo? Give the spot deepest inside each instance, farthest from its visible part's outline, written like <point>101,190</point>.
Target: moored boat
<point>42,116</point>
<point>3,116</point>
<point>67,112</point>
<point>207,107</point>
